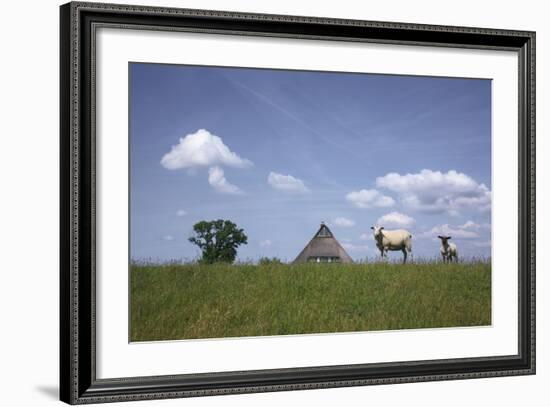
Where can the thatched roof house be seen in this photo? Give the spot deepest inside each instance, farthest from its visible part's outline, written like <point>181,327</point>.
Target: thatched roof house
<point>323,248</point>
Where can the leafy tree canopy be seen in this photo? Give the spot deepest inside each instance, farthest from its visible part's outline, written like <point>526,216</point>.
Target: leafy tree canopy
<point>218,240</point>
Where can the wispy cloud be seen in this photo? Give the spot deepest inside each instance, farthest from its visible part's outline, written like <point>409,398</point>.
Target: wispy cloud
<point>181,212</point>
<point>343,222</point>
<point>448,230</point>
<point>266,243</point>
<point>168,238</point>
<point>286,183</point>
<point>217,180</point>
<point>475,226</point>
<point>369,198</point>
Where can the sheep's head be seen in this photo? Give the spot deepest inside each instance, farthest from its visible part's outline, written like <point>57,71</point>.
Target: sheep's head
<point>444,239</point>
<point>377,232</point>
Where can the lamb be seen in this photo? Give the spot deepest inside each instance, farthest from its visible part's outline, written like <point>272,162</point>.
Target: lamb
<point>448,250</point>
<point>392,240</point>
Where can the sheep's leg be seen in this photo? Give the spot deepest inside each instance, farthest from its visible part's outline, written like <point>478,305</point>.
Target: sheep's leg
<point>404,255</point>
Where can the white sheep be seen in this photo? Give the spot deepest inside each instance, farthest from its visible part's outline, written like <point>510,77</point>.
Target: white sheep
<point>392,240</point>
<point>448,250</point>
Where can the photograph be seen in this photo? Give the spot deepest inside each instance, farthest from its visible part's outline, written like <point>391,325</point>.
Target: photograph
<point>270,200</point>
<point>266,202</point>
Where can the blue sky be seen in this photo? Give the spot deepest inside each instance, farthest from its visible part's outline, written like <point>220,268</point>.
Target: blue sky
<point>279,151</point>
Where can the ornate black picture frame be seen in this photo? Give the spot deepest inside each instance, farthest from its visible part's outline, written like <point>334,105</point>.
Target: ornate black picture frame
<point>78,381</point>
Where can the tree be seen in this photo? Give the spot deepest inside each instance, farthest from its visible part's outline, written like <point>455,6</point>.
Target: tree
<point>266,261</point>
<point>218,240</point>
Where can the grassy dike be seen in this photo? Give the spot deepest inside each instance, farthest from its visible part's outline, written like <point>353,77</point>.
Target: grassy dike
<point>213,301</point>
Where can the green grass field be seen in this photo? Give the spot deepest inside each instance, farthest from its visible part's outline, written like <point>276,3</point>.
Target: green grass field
<point>213,301</point>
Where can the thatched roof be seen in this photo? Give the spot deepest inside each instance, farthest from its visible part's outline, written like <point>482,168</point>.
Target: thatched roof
<point>323,245</point>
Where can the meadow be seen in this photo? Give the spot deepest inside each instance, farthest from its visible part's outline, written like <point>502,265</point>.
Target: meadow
<point>189,301</point>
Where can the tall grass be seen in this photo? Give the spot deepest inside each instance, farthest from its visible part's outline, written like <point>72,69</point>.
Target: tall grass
<point>184,301</point>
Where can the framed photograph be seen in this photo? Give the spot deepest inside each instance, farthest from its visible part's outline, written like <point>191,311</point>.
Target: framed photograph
<point>255,203</point>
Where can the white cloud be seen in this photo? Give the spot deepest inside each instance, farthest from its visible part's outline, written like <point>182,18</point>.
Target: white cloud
<point>468,230</point>
<point>265,243</point>
<point>475,226</point>
<point>286,183</point>
<point>201,149</point>
<point>366,236</point>
<point>355,247</point>
<point>437,192</point>
<point>343,222</point>
<point>181,212</point>
<point>368,198</point>
<point>447,230</point>
<point>168,238</point>
<point>217,180</point>
<point>396,219</point>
